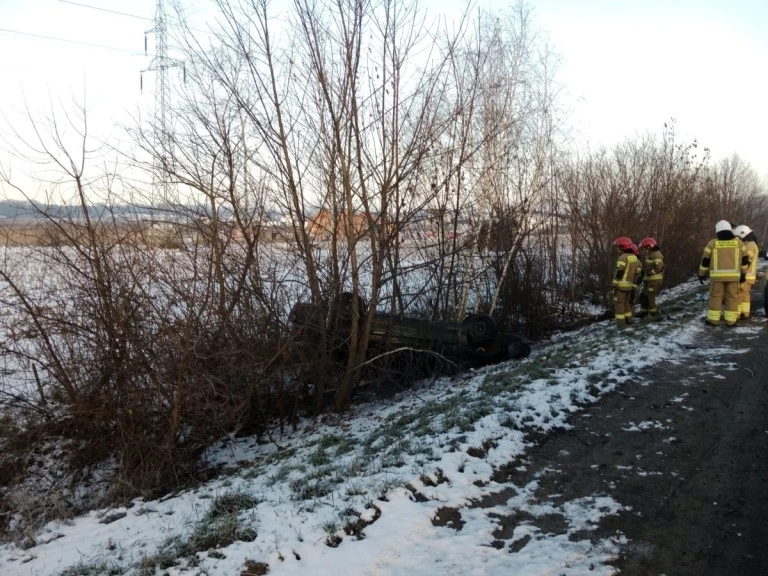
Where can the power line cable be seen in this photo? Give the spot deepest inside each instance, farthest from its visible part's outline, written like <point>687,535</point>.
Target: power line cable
<point>123,14</point>
<point>106,10</point>
<point>43,37</point>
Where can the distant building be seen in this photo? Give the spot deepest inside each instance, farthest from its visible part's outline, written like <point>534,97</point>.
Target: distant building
<point>323,226</point>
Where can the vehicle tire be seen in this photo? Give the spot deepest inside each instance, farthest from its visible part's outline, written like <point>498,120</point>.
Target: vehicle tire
<point>481,329</point>
<point>344,309</point>
<point>518,349</point>
<point>479,358</point>
<point>307,321</point>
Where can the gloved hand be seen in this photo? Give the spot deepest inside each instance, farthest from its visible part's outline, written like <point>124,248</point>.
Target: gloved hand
<point>702,279</point>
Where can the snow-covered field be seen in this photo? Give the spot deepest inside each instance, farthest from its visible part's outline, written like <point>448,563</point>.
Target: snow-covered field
<point>358,494</point>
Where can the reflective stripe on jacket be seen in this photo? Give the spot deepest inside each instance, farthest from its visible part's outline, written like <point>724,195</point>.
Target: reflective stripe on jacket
<point>624,277</point>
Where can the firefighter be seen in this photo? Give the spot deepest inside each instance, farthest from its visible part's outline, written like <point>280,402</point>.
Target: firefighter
<point>653,274</point>
<point>725,262</point>
<point>750,241</point>
<point>624,278</point>
<point>637,281</point>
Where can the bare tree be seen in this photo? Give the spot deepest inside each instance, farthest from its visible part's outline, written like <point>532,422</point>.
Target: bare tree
<point>341,121</point>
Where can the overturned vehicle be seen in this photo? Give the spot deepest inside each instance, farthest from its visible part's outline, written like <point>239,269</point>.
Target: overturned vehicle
<point>476,341</point>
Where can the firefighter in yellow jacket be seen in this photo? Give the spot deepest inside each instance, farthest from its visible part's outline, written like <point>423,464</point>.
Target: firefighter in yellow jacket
<point>638,279</point>
<point>750,241</point>
<point>725,261</point>
<point>624,281</point>
<point>653,275</point>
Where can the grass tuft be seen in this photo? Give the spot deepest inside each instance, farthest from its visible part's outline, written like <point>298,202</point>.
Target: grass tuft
<point>91,570</point>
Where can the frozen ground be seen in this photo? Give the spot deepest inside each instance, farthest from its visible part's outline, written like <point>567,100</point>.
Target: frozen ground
<point>641,450</point>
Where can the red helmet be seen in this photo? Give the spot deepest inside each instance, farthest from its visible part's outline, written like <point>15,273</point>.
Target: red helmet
<point>634,249</point>
<point>647,243</point>
<point>623,242</point>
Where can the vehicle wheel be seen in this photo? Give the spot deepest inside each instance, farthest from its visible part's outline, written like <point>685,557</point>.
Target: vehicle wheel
<point>518,350</point>
<point>481,329</point>
<point>480,357</point>
<point>307,321</point>
<point>344,309</point>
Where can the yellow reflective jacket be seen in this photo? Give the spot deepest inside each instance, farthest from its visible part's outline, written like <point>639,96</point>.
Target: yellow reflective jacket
<point>626,272</point>
<point>724,260</point>
<point>654,265</point>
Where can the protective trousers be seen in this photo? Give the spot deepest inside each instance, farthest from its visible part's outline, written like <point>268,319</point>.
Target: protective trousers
<point>622,307</point>
<point>745,302</point>
<point>648,302</point>
<point>723,294</point>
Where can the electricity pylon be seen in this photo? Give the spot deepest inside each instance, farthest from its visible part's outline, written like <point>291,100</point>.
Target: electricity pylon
<point>160,64</point>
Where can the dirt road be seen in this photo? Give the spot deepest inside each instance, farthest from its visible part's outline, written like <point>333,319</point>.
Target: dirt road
<point>685,447</point>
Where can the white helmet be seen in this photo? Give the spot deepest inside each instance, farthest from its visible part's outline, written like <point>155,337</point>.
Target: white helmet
<point>742,231</point>
<point>722,226</point>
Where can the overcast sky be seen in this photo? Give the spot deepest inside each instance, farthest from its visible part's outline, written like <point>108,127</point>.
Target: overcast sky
<point>631,65</point>
<point>628,65</point>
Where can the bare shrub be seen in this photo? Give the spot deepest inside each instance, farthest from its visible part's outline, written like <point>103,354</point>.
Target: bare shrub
<point>128,351</point>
